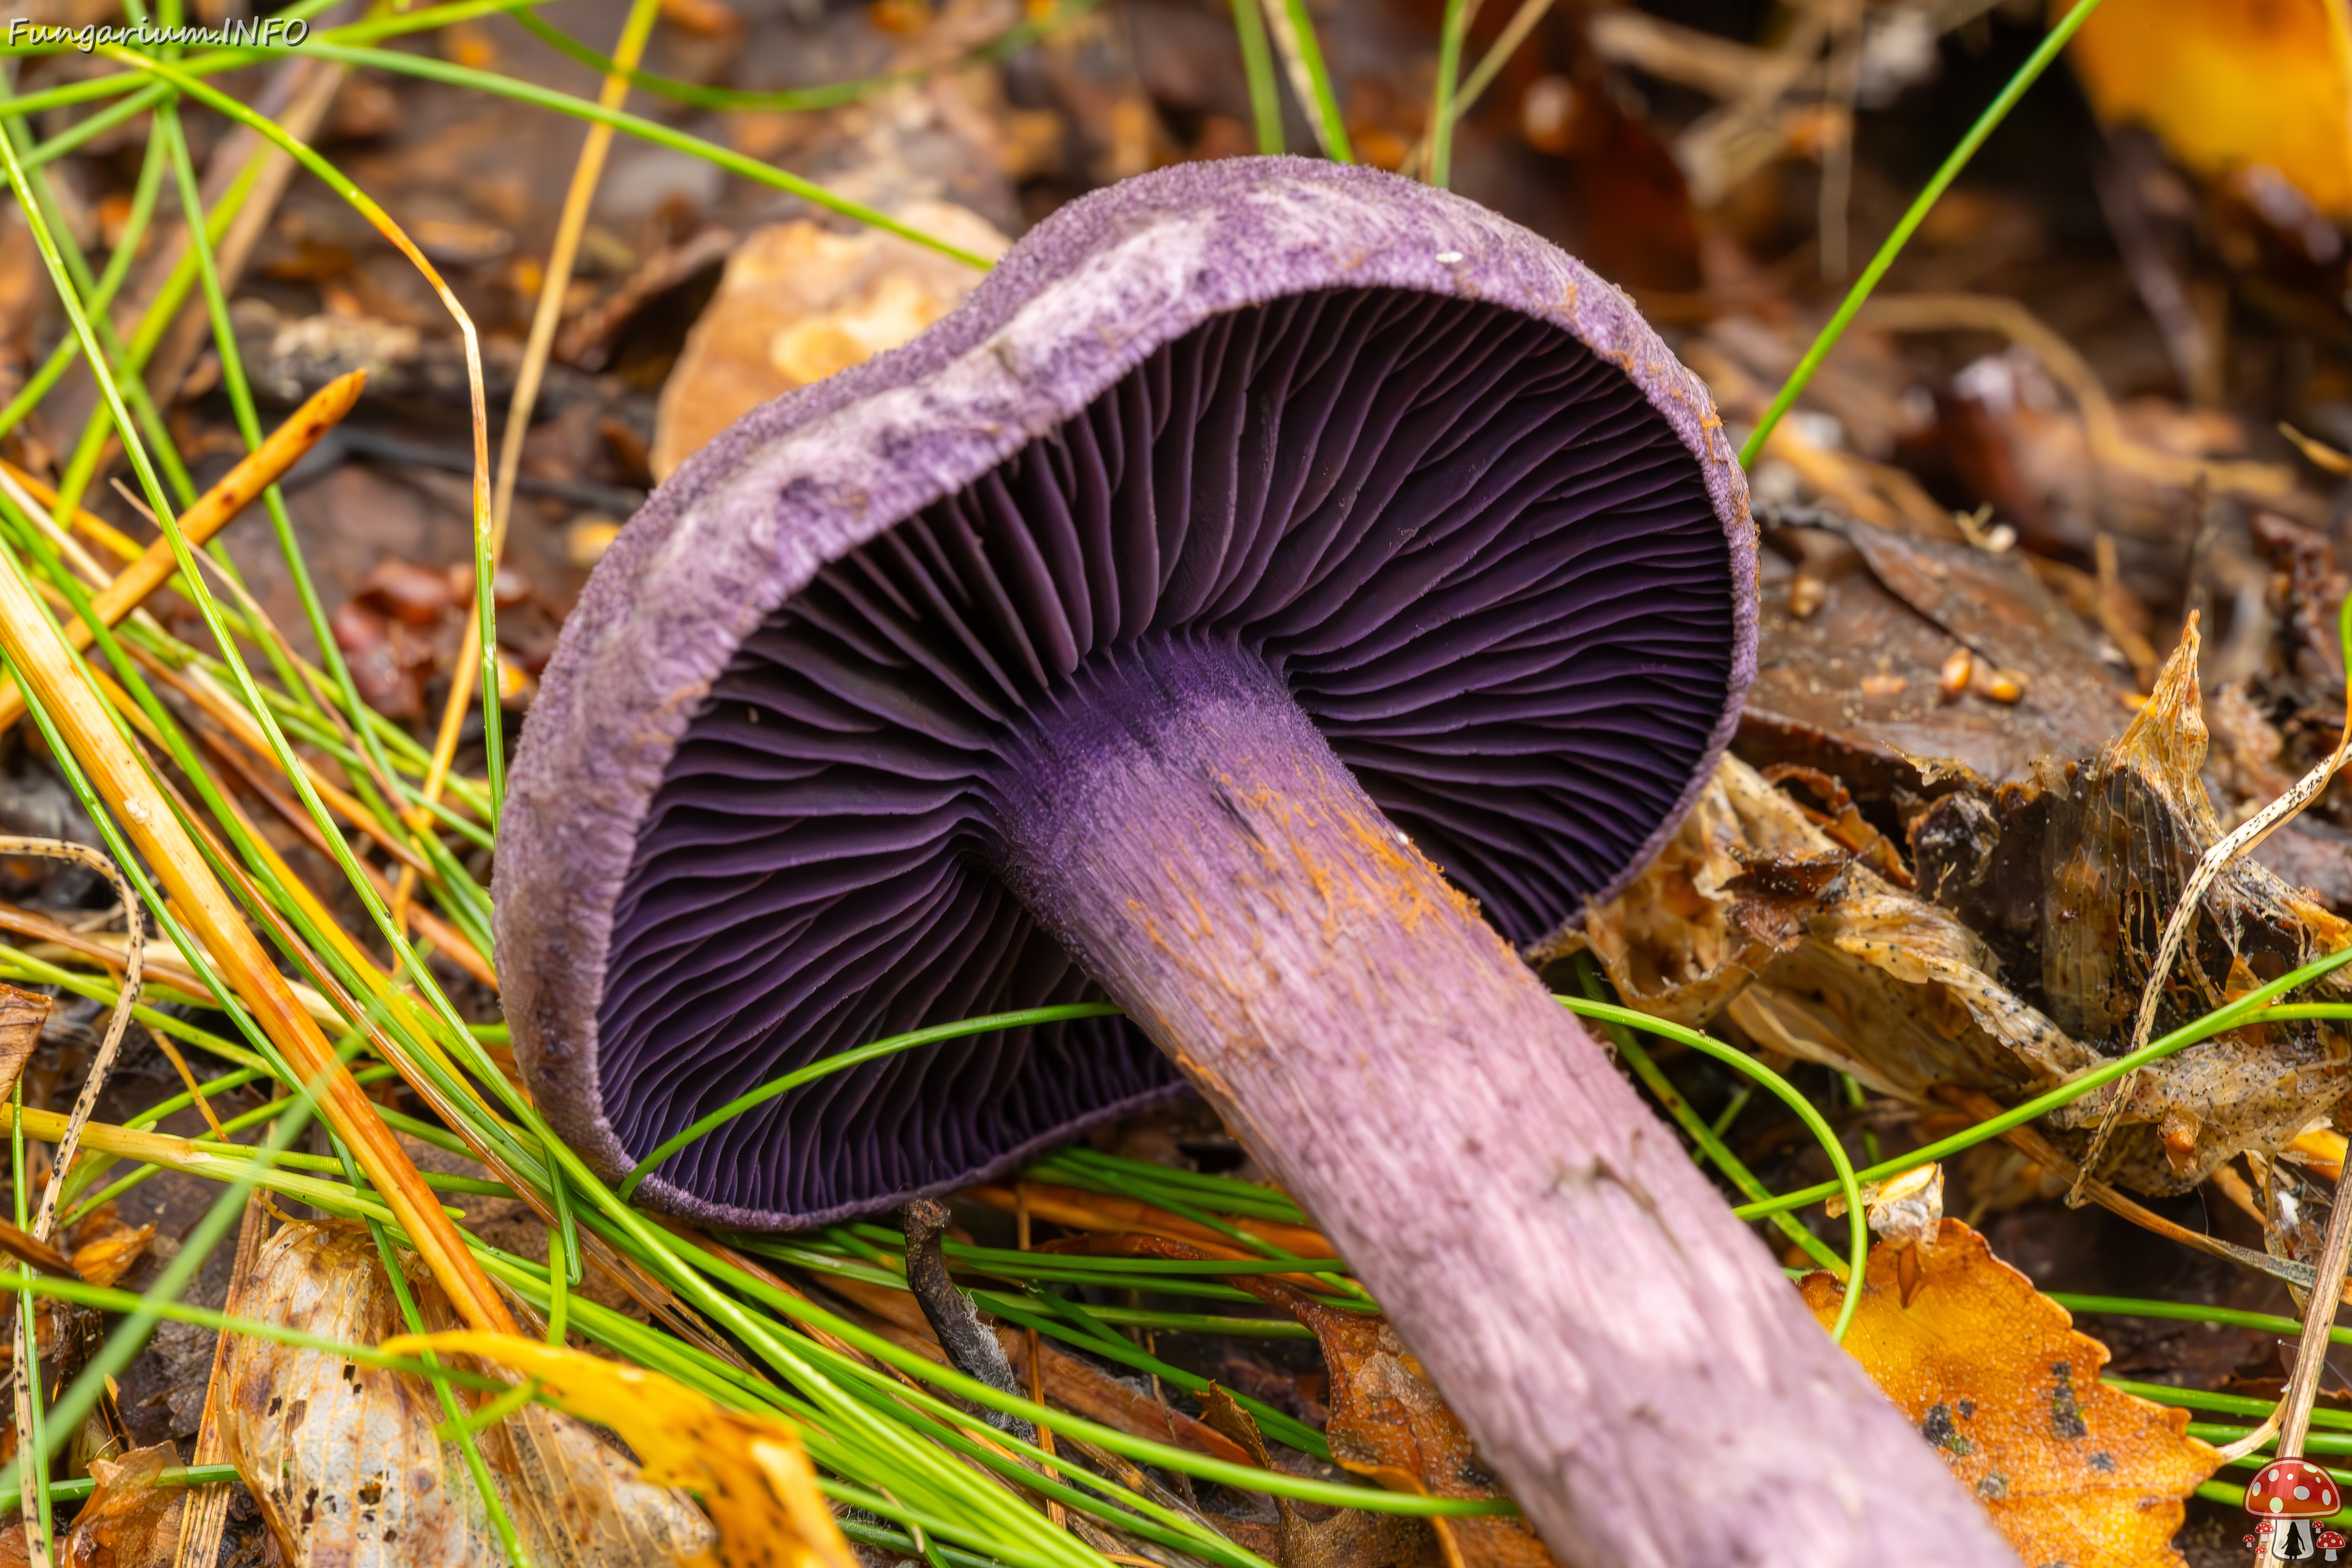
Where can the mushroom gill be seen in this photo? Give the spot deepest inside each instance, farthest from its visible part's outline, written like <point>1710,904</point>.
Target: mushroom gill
<point>1471,550</point>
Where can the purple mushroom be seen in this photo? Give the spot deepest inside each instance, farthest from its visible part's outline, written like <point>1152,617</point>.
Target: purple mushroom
<point>1278,590</point>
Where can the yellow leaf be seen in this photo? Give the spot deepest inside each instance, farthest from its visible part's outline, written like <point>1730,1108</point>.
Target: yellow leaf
<point>752,1472</point>
<point>345,1461</point>
<point>2228,84</point>
<point>1993,1372</point>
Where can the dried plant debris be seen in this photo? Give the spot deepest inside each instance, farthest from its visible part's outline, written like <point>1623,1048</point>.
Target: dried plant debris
<point>2019,960</point>
<point>1387,1423</point>
<point>1993,1372</point>
<point>22,1014</point>
<point>1756,913</point>
<point>1349,1538</point>
<point>757,1477</point>
<point>130,1522</point>
<point>1861,630</point>
<point>2070,876</point>
<point>800,302</point>
<point>345,1462</point>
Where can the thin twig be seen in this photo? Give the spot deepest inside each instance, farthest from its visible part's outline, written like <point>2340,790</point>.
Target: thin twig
<point>133,955</point>
<point>212,511</point>
<point>2102,424</point>
<point>2290,1418</point>
<point>971,1347</point>
<point>546,317</point>
<point>78,855</point>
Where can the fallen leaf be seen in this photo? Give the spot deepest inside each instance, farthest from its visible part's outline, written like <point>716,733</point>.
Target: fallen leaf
<point>22,1015</point>
<point>1349,1538</point>
<point>104,1247</point>
<point>2228,84</point>
<point>1388,1422</point>
<point>343,1461</point>
<point>129,1522</point>
<point>1857,623</point>
<point>760,1488</point>
<point>32,1250</point>
<point>2070,878</point>
<point>800,302</point>
<point>1994,1375</point>
<point>1874,980</point>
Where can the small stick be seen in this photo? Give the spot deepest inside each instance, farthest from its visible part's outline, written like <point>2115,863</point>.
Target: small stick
<point>2291,1417</point>
<point>970,1347</point>
<point>46,663</point>
<point>133,954</point>
<point>212,511</point>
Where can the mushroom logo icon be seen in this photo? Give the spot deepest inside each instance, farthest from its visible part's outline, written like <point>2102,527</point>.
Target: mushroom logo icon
<point>2331,1542</point>
<point>2289,1494</point>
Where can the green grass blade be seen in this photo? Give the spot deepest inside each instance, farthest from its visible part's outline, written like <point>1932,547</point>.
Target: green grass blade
<point>1915,215</point>
<point>1257,68</point>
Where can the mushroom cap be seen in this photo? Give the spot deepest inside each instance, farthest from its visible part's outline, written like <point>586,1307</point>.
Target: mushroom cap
<point>1443,480</point>
<point>2292,1488</point>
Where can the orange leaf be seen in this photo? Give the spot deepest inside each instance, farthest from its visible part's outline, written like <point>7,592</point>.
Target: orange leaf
<point>105,1247</point>
<point>2228,84</point>
<point>1993,1372</point>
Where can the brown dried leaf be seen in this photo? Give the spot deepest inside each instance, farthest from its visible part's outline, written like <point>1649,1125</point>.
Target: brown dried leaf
<point>344,1462</point>
<point>1850,685</point>
<point>22,1015</point>
<point>2070,1470</point>
<point>1874,980</point>
<point>800,302</point>
<point>128,1522</point>
<point>2071,879</point>
<point>1388,1422</point>
<point>1349,1538</point>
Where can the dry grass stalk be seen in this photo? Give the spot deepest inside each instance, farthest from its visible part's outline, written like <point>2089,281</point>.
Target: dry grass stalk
<point>132,960</point>
<point>207,1515</point>
<point>545,318</point>
<point>52,673</point>
<point>2101,426</point>
<point>69,1135</point>
<point>122,546</point>
<point>212,511</point>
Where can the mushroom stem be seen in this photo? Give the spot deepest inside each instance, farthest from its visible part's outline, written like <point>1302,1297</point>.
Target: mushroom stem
<point>1627,1355</point>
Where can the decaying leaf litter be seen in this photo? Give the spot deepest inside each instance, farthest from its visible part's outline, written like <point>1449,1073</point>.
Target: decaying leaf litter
<point>1983,716</point>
